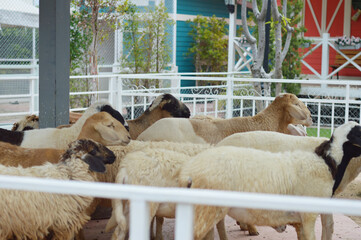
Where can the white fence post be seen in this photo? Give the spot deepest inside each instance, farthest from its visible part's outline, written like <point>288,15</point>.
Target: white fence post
<point>119,104</point>
<point>231,59</point>
<point>139,220</point>
<point>325,57</point>
<point>347,98</point>
<point>229,110</point>
<point>184,222</point>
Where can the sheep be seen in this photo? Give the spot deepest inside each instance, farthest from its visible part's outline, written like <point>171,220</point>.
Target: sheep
<point>41,213</point>
<point>285,109</point>
<point>152,167</point>
<point>26,123</point>
<point>100,127</point>
<point>164,106</point>
<point>31,122</point>
<point>56,138</point>
<point>277,142</point>
<point>322,172</point>
<point>121,152</point>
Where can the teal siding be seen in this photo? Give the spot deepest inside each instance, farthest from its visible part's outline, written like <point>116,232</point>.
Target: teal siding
<point>202,7</point>
<point>194,7</point>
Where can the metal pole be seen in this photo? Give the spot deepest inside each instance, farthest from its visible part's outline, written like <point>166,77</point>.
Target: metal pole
<point>54,64</point>
<point>266,50</point>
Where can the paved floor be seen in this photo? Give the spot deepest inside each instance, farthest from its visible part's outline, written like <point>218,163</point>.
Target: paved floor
<point>344,229</point>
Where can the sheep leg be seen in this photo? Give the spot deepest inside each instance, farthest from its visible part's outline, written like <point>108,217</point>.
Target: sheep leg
<point>158,228</point>
<point>221,228</point>
<point>308,224</point>
<point>209,235</point>
<point>80,235</point>
<point>327,226</point>
<point>252,230</point>
<point>205,219</point>
<point>299,231</point>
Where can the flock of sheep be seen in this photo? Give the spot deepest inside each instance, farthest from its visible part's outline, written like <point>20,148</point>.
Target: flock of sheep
<point>165,148</point>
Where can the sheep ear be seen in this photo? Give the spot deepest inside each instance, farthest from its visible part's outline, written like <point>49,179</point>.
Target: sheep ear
<point>96,164</point>
<point>296,112</point>
<point>106,133</point>
<point>296,130</point>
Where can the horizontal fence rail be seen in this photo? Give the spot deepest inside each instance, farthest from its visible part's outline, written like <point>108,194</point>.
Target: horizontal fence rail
<point>224,95</point>
<point>140,196</point>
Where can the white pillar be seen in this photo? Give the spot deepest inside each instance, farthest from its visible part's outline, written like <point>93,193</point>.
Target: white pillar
<point>324,16</point>
<point>174,62</point>
<point>231,36</point>
<point>231,59</point>
<point>347,18</point>
<point>325,56</point>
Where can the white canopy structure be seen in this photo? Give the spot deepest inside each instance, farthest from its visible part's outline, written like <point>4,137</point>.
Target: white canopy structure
<point>20,13</point>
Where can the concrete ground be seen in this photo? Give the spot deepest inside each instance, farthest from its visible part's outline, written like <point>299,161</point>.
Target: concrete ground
<point>344,228</point>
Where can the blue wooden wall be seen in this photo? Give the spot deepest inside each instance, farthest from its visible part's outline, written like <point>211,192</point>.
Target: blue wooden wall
<point>194,7</point>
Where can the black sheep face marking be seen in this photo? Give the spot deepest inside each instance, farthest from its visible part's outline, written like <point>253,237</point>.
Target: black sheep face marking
<point>169,103</point>
<point>115,114</point>
<point>94,154</point>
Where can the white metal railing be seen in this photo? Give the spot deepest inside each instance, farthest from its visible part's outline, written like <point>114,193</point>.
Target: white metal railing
<point>140,196</point>
<point>332,102</point>
<point>326,42</point>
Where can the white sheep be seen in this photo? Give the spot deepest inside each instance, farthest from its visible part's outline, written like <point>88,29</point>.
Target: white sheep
<point>56,138</point>
<point>121,152</point>
<point>284,110</point>
<point>252,170</point>
<point>100,127</point>
<point>151,167</point>
<point>32,215</point>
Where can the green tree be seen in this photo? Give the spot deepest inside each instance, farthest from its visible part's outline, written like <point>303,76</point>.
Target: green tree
<point>146,45</point>
<point>291,67</point>
<point>209,46</point>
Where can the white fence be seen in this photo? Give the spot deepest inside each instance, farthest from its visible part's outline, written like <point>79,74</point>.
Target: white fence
<point>140,196</point>
<point>331,102</point>
<point>231,95</point>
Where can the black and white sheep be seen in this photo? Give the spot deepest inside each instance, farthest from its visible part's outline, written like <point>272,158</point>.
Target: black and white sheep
<point>33,215</point>
<point>53,137</point>
<point>251,170</point>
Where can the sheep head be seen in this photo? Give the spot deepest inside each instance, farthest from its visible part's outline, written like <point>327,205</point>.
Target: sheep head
<point>297,110</point>
<point>169,106</point>
<point>92,153</point>
<point>30,122</point>
<point>343,146</point>
<point>105,129</point>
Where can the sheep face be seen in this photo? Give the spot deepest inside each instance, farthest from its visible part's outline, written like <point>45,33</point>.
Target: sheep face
<point>94,154</point>
<point>172,107</point>
<point>346,141</point>
<point>103,128</point>
<point>114,113</point>
<point>296,109</point>
<point>344,145</point>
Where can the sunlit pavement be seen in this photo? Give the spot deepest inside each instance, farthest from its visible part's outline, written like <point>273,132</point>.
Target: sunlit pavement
<point>344,229</point>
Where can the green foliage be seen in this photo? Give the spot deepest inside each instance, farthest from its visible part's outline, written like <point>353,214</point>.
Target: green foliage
<point>146,48</point>
<point>90,24</point>
<point>145,40</point>
<point>291,67</point>
<point>210,46</point>
<point>80,40</point>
